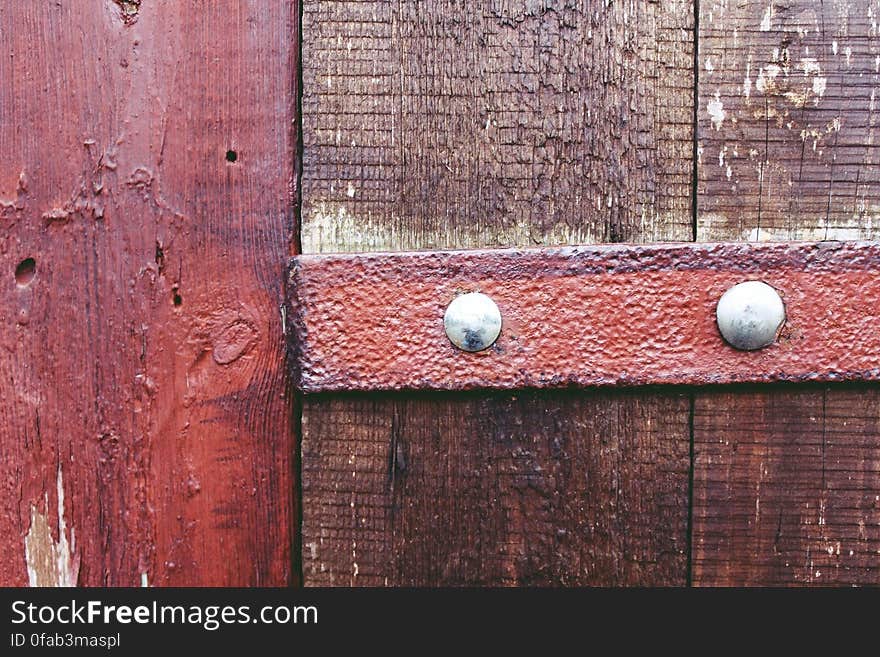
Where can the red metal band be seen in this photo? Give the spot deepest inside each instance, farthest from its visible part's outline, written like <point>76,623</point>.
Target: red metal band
<point>581,316</point>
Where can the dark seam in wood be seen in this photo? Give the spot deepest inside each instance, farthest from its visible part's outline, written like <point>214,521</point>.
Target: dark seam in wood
<point>296,525</point>
<point>690,517</point>
<point>695,136</point>
<point>695,132</point>
<point>298,132</point>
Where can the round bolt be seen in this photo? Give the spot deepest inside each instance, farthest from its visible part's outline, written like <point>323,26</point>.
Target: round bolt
<point>750,315</point>
<point>472,322</point>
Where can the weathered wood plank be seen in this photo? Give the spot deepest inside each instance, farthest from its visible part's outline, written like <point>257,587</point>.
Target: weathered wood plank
<point>533,488</point>
<point>504,122</point>
<point>440,124</point>
<point>786,480</point>
<point>787,487</point>
<point>787,120</point>
<point>145,429</point>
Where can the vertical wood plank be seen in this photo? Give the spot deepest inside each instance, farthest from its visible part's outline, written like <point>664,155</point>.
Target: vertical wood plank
<point>788,119</point>
<point>440,124</point>
<point>145,429</point>
<point>532,488</point>
<point>785,480</point>
<point>787,487</point>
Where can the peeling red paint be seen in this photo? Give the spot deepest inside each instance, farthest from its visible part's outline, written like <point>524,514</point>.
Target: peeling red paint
<point>581,316</point>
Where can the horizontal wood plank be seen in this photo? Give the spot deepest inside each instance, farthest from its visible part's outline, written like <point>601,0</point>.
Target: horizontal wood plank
<point>583,316</point>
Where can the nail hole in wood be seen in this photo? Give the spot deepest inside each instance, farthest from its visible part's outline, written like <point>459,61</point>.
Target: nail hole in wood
<point>25,271</point>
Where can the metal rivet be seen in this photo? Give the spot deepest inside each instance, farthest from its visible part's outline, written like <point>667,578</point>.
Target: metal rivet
<point>750,315</point>
<point>472,322</point>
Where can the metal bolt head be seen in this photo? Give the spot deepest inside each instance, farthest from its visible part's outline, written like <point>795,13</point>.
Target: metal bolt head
<point>750,315</point>
<point>472,322</point>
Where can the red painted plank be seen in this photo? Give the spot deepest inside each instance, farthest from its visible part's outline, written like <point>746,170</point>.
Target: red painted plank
<point>145,424</point>
<point>620,315</point>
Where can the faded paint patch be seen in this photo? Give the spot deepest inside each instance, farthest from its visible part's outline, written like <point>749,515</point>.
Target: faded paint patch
<point>128,10</point>
<point>747,83</point>
<point>861,226</point>
<point>810,66</point>
<point>716,111</point>
<point>815,233</point>
<point>330,226</point>
<point>817,83</point>
<point>817,134</point>
<point>51,562</point>
<point>766,20</point>
<point>766,82</point>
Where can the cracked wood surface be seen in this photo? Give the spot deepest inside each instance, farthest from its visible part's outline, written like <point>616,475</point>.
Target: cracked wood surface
<point>146,426</point>
<point>496,123</point>
<point>440,124</point>
<point>786,480</point>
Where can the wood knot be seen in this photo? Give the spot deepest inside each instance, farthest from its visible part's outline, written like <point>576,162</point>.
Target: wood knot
<point>234,341</point>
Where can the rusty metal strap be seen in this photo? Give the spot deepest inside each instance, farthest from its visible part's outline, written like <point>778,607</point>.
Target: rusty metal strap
<point>581,316</point>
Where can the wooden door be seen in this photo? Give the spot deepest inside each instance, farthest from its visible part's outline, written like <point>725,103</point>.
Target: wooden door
<point>163,159</point>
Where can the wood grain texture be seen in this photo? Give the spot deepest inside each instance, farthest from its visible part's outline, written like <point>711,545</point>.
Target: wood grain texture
<point>788,114</point>
<point>532,488</point>
<point>786,479</point>
<point>145,427</point>
<point>502,122</point>
<point>440,124</point>
<point>787,487</point>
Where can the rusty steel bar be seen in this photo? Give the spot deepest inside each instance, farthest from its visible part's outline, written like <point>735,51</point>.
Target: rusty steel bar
<point>581,316</point>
